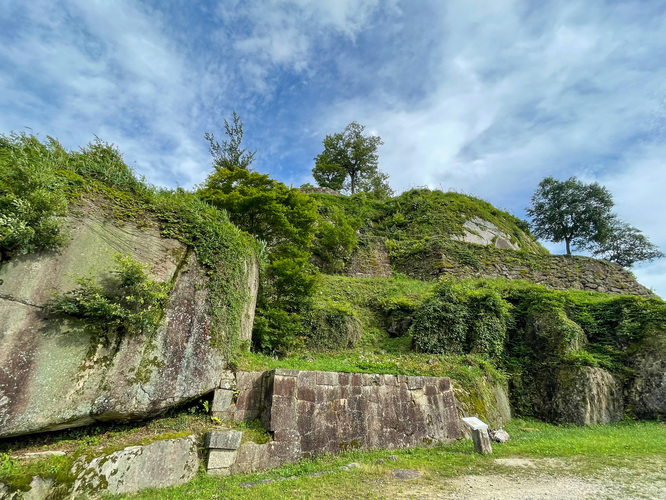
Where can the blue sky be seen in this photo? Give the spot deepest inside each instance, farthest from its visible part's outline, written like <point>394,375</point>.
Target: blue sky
<point>485,98</point>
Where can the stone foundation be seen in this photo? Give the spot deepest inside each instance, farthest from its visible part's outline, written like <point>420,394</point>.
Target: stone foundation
<point>310,413</point>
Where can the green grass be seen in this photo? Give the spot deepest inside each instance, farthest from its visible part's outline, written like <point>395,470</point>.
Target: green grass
<point>588,451</point>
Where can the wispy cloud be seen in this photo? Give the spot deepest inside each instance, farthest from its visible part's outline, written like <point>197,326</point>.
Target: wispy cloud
<point>481,97</point>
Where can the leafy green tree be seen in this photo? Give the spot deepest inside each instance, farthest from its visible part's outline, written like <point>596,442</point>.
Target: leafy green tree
<point>229,153</point>
<point>571,211</point>
<point>349,161</point>
<point>625,245</point>
<point>285,219</point>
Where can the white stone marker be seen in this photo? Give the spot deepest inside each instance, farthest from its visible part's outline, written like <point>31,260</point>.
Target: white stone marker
<point>479,434</point>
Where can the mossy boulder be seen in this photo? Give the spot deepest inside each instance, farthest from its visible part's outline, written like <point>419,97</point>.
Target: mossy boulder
<point>58,373</point>
<point>581,395</point>
<point>550,333</point>
<point>646,391</point>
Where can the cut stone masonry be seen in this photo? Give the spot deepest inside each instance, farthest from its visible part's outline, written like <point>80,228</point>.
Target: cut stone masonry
<point>310,413</point>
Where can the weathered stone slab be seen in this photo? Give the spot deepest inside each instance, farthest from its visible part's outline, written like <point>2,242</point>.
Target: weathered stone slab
<point>223,440</point>
<point>220,459</point>
<point>170,462</point>
<point>56,375</point>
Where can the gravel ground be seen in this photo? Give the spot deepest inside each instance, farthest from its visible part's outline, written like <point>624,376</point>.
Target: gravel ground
<point>535,480</point>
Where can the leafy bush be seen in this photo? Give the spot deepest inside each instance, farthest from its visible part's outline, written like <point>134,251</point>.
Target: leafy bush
<point>31,198</point>
<point>127,303</point>
<point>333,327</point>
<point>461,319</point>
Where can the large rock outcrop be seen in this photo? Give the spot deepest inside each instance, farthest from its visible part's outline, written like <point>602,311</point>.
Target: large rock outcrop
<point>646,391</point>
<point>54,374</point>
<point>580,395</point>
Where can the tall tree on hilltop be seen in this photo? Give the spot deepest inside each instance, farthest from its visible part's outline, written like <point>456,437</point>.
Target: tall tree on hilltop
<point>349,162</point>
<point>580,214</point>
<point>571,211</point>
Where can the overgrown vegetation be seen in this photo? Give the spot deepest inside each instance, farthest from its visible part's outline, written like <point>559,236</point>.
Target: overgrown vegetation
<point>634,448</point>
<point>51,181</point>
<point>128,302</point>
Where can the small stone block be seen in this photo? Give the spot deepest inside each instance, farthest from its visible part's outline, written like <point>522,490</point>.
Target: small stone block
<point>222,399</point>
<point>343,378</point>
<point>481,441</point>
<point>284,386</point>
<point>327,378</point>
<point>430,390</point>
<point>306,394</point>
<point>283,372</point>
<point>307,379</point>
<point>223,440</point>
<point>220,459</point>
<point>227,380</point>
<point>444,384</point>
<point>415,382</point>
<point>390,380</point>
<point>357,380</point>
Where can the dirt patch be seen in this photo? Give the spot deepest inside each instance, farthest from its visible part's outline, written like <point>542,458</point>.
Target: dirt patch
<point>531,481</point>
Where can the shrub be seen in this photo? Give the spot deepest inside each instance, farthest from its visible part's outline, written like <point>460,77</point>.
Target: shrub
<point>127,303</point>
<point>30,195</point>
<point>462,319</point>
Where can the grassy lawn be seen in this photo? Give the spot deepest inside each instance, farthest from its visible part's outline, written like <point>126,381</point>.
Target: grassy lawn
<point>635,448</point>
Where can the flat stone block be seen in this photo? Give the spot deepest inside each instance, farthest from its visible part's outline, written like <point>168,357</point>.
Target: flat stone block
<point>283,372</point>
<point>306,394</point>
<point>307,379</point>
<point>222,399</point>
<point>220,459</point>
<point>219,472</point>
<point>327,378</point>
<point>223,440</point>
<point>283,413</point>
<point>343,378</point>
<point>390,380</point>
<point>284,386</point>
<point>357,380</point>
<point>227,380</point>
<point>415,383</point>
<point>444,384</point>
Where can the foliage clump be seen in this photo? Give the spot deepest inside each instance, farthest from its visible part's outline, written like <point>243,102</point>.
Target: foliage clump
<point>31,195</point>
<point>127,302</point>
<point>461,319</point>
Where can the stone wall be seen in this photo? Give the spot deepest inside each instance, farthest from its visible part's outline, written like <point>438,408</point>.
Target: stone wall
<point>311,413</point>
<point>432,260</point>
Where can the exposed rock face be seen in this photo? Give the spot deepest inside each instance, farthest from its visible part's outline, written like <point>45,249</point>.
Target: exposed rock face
<point>580,395</point>
<point>646,394</point>
<point>55,375</point>
<point>40,489</point>
<point>370,260</point>
<point>165,463</point>
<point>487,400</point>
<point>485,233</point>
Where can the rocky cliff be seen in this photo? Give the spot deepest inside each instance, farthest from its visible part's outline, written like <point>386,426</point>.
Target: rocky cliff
<point>57,373</point>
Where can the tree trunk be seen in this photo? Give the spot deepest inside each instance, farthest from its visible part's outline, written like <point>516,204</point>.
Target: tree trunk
<point>568,247</point>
